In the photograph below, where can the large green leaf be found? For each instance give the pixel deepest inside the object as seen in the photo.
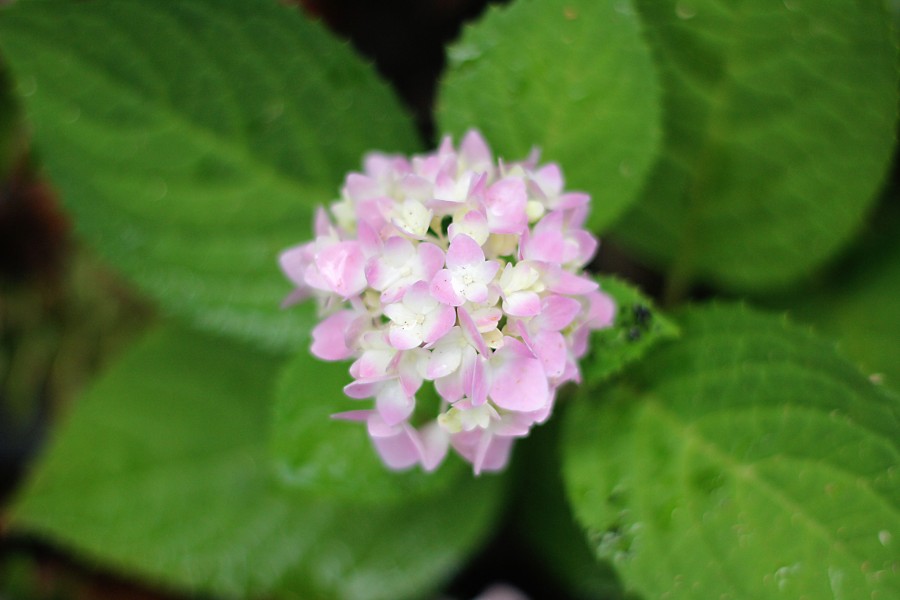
(858, 304)
(335, 459)
(638, 327)
(192, 140)
(162, 472)
(546, 523)
(749, 460)
(779, 125)
(573, 77)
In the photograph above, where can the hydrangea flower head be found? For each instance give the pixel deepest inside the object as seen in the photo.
(458, 272)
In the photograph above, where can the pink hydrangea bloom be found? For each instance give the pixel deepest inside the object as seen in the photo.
(455, 271)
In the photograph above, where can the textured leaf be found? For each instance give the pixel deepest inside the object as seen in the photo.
(749, 460)
(638, 327)
(858, 304)
(192, 141)
(335, 459)
(779, 126)
(547, 524)
(573, 77)
(162, 472)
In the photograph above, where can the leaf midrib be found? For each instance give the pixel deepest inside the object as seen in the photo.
(655, 406)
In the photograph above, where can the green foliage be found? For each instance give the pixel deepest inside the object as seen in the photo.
(779, 126)
(638, 327)
(192, 141)
(162, 472)
(748, 460)
(857, 305)
(727, 454)
(335, 459)
(572, 77)
(547, 523)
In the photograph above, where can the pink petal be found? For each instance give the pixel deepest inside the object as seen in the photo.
(477, 188)
(314, 279)
(470, 330)
(474, 224)
(369, 240)
(294, 262)
(518, 380)
(435, 442)
(602, 312)
(550, 179)
(398, 250)
(405, 339)
(360, 187)
(476, 379)
(379, 165)
(444, 359)
(392, 403)
(373, 363)
(323, 225)
(486, 452)
(377, 273)
(418, 298)
(522, 304)
(563, 282)
(298, 295)
(486, 270)
(464, 251)
(572, 200)
(439, 322)
(476, 292)
(353, 415)
(410, 380)
(515, 424)
(443, 291)
(474, 151)
(505, 202)
(587, 246)
(373, 211)
(432, 259)
(364, 388)
(428, 166)
(413, 186)
(450, 387)
(495, 456)
(547, 246)
(487, 319)
(342, 266)
(550, 347)
(395, 446)
(557, 312)
(579, 340)
(521, 327)
(329, 339)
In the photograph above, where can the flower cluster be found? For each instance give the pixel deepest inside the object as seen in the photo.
(453, 271)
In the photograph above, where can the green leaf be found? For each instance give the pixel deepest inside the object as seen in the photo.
(192, 141)
(162, 472)
(573, 77)
(779, 128)
(857, 305)
(335, 459)
(638, 327)
(546, 523)
(749, 460)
